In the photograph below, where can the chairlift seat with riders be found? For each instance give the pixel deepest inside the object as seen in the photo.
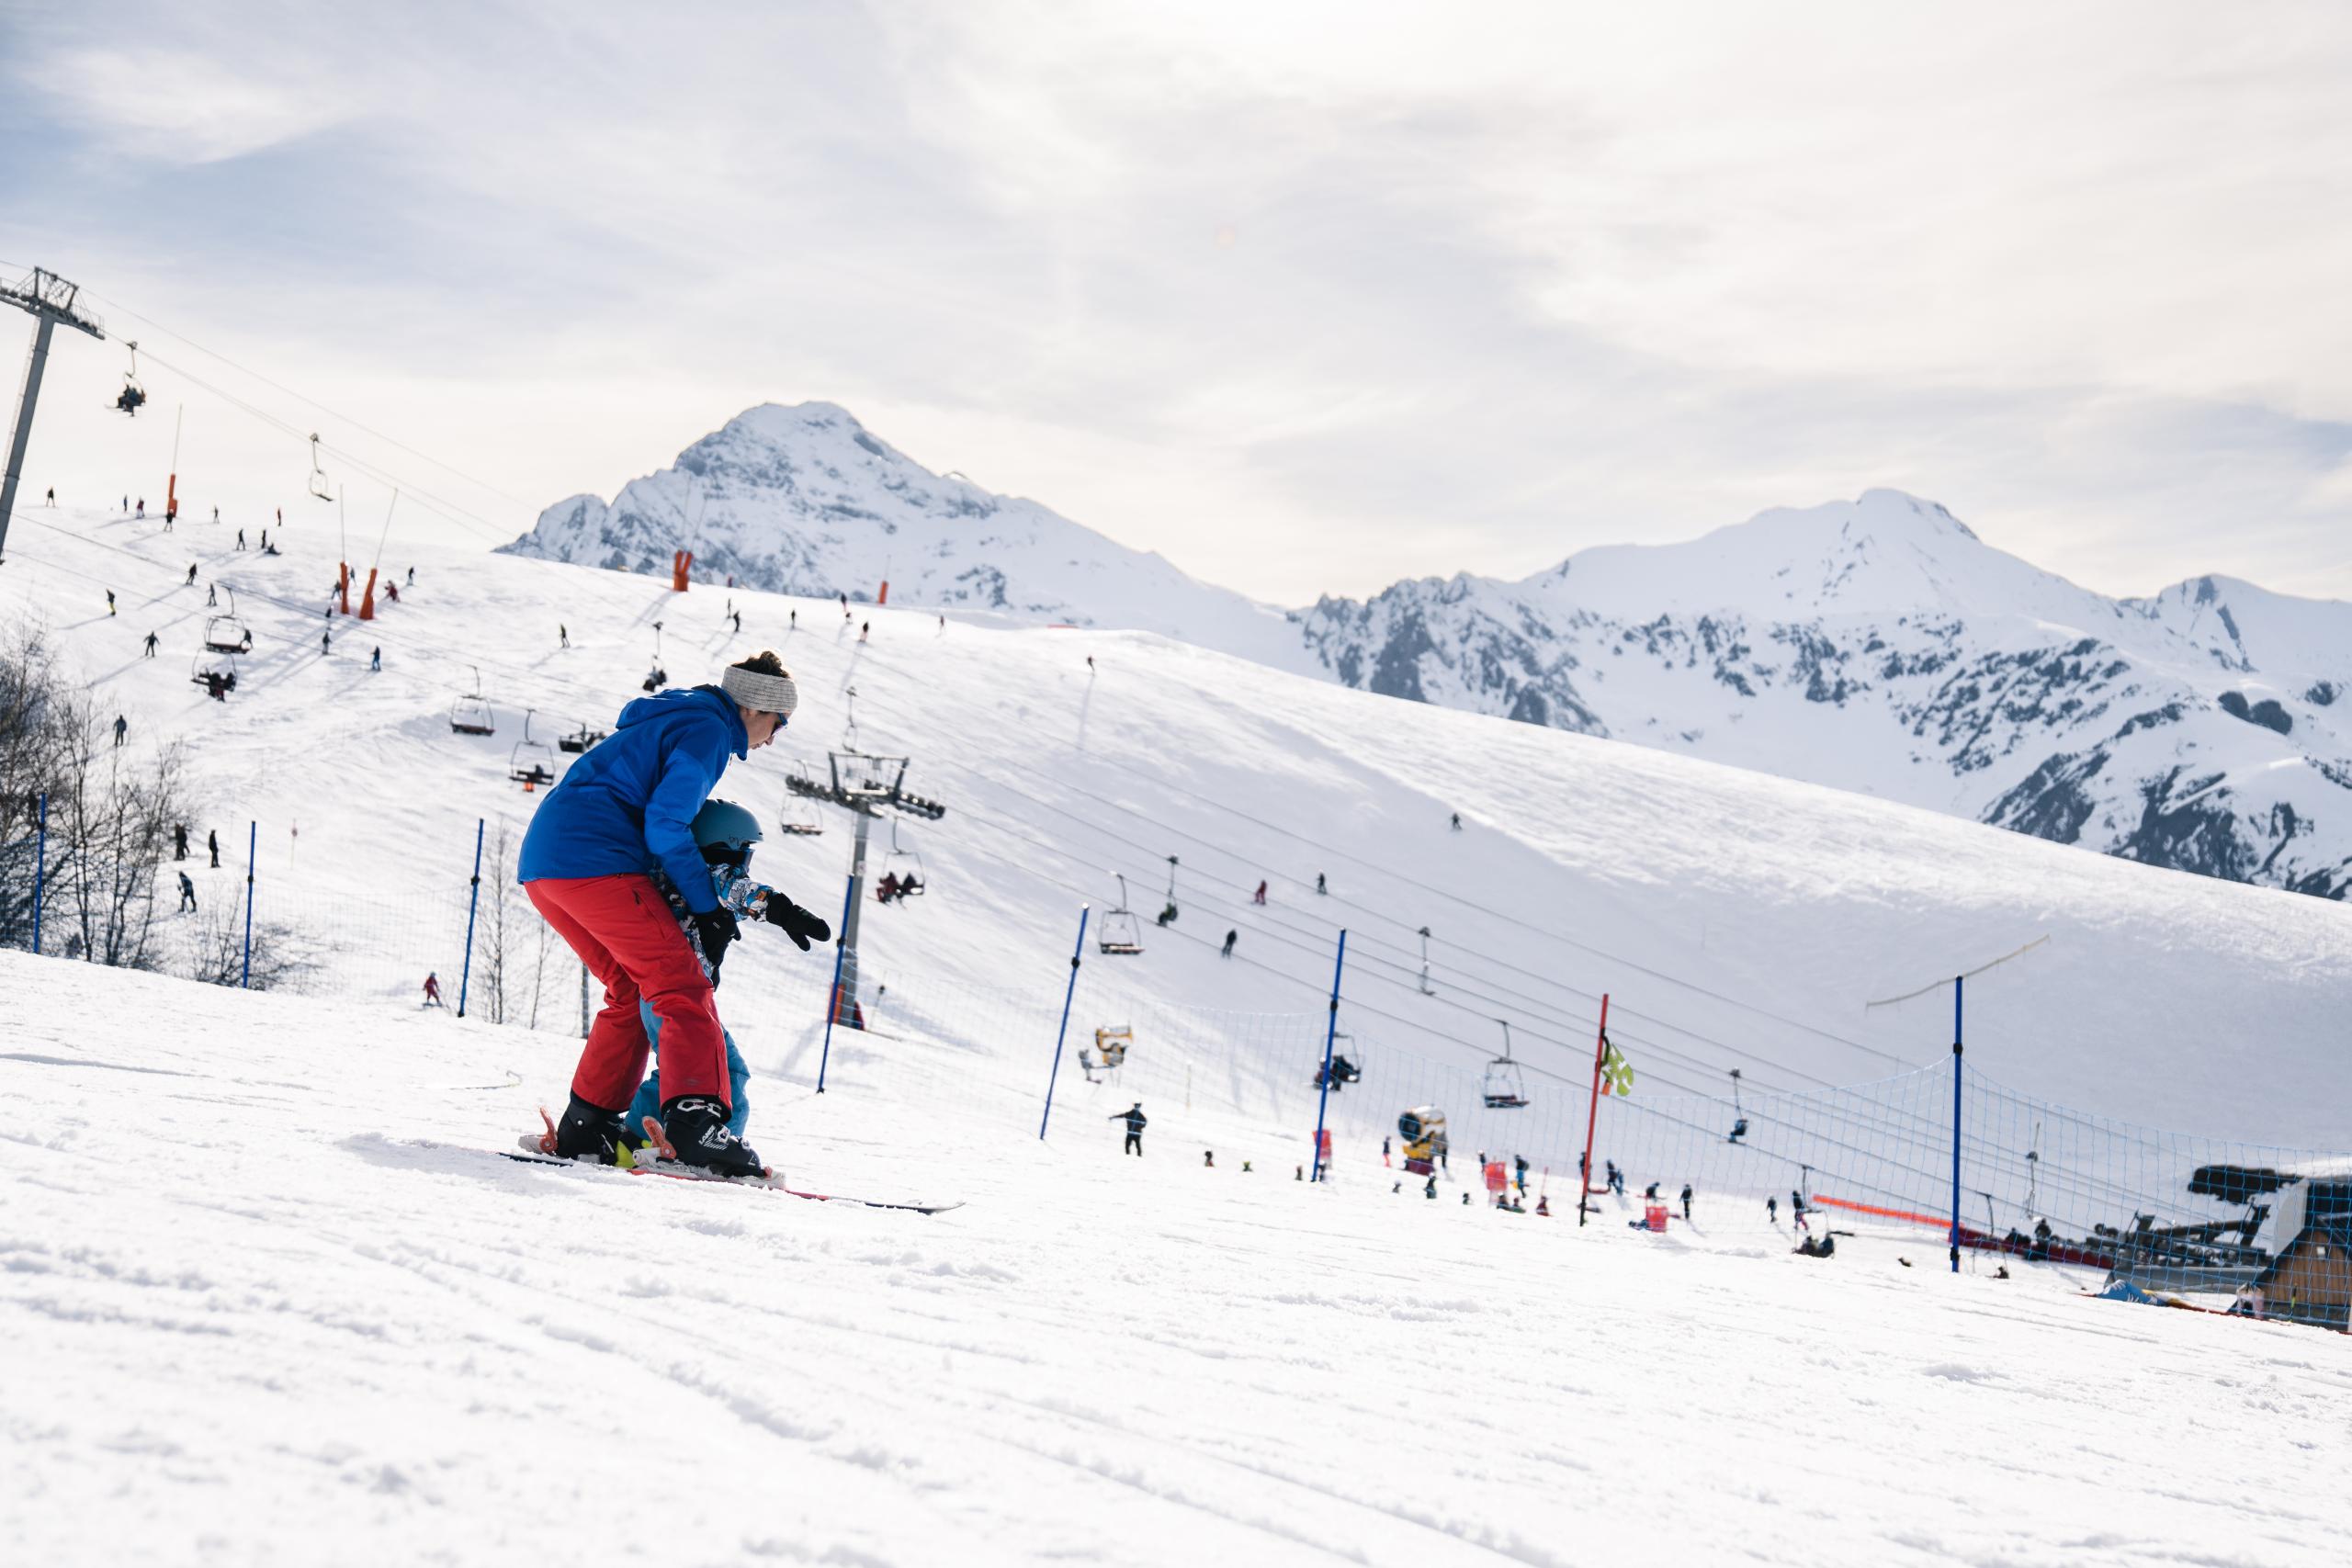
(133, 396)
(1121, 934)
(532, 763)
(1504, 1088)
(902, 872)
(1423, 1130)
(579, 740)
(1112, 1043)
(470, 712)
(220, 666)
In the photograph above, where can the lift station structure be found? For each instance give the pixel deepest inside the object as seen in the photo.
(865, 785)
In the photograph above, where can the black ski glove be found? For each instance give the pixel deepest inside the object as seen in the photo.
(717, 929)
(796, 922)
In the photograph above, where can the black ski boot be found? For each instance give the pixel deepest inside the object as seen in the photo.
(589, 1131)
(695, 1125)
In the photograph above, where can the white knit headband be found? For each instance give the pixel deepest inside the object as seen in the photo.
(761, 694)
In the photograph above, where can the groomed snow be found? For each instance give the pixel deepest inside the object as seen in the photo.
(270, 1296)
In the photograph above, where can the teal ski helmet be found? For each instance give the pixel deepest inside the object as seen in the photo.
(722, 824)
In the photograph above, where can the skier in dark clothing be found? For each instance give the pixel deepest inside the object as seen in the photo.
(1616, 1177)
(179, 842)
(109, 601)
(1686, 1201)
(121, 728)
(213, 842)
(188, 893)
(1518, 1170)
(151, 645)
(1230, 938)
(1772, 1210)
(1796, 1213)
(376, 660)
(1135, 1119)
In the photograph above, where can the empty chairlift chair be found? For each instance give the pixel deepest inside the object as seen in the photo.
(470, 712)
(1122, 934)
(1505, 1089)
(796, 818)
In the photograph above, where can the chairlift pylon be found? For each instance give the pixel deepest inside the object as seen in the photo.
(532, 763)
(319, 485)
(1505, 1089)
(471, 714)
(1120, 933)
(224, 633)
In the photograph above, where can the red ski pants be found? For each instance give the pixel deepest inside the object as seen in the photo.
(621, 928)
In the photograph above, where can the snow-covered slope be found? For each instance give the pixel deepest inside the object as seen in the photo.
(804, 500)
(270, 1295)
(1879, 646)
(1744, 919)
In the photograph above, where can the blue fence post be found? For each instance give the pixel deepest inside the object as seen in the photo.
(833, 997)
(41, 867)
(1958, 982)
(253, 843)
(473, 898)
(1063, 1034)
(1330, 1034)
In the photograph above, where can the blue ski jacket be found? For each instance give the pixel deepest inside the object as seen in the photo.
(628, 803)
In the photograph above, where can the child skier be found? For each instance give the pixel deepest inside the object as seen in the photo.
(726, 833)
(621, 811)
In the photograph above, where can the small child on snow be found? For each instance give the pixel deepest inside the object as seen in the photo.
(725, 833)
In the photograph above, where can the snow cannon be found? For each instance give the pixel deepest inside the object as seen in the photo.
(1423, 1130)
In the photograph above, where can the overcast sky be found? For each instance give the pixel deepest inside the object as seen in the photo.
(1306, 297)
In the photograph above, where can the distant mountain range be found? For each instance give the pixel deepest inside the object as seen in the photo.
(1874, 644)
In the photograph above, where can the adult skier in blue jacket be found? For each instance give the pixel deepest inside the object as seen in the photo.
(624, 809)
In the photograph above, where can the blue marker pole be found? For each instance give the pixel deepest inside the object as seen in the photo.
(1958, 982)
(41, 867)
(1330, 1034)
(253, 843)
(1068, 997)
(833, 997)
(465, 976)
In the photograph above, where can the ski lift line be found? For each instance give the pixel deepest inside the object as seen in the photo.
(1469, 904)
(118, 307)
(1968, 975)
(1527, 1004)
(1419, 1028)
(448, 510)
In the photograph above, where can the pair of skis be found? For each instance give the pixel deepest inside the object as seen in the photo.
(661, 1158)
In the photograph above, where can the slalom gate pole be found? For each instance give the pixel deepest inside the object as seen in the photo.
(1957, 983)
(253, 843)
(1330, 1035)
(41, 868)
(1063, 1032)
(473, 898)
(833, 997)
(1592, 1115)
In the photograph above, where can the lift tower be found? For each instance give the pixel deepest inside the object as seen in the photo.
(865, 785)
(48, 299)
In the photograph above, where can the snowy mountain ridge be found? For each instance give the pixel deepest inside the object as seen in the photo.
(804, 500)
(1878, 645)
(1875, 645)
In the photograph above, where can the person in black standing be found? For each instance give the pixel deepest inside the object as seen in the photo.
(188, 893)
(1134, 1121)
(1230, 938)
(213, 842)
(1686, 1202)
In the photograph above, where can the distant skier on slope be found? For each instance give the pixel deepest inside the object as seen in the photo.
(725, 832)
(1230, 938)
(1135, 1119)
(433, 991)
(623, 810)
(213, 842)
(188, 893)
